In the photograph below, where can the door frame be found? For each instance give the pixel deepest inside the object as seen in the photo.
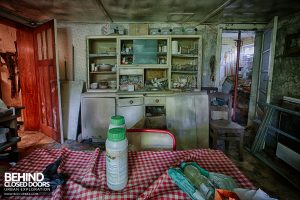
(256, 66)
(58, 83)
(273, 25)
(230, 27)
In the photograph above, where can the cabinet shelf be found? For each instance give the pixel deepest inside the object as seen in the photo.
(185, 55)
(144, 53)
(101, 50)
(103, 72)
(149, 66)
(185, 72)
(102, 55)
(103, 90)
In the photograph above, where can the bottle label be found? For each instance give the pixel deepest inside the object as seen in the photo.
(116, 166)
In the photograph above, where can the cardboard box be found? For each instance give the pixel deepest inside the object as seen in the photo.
(138, 29)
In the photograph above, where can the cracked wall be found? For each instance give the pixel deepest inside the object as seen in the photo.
(286, 71)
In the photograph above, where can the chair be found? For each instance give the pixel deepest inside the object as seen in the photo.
(150, 139)
(210, 89)
(220, 124)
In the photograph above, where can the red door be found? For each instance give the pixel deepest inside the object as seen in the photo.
(45, 59)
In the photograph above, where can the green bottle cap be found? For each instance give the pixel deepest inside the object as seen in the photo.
(116, 134)
(117, 120)
(183, 165)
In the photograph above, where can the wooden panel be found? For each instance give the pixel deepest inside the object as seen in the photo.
(71, 92)
(28, 79)
(95, 116)
(181, 120)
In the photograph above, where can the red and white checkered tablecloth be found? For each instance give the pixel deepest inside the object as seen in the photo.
(147, 173)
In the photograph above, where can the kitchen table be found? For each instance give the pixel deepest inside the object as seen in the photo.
(147, 173)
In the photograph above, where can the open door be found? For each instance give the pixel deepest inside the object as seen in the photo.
(267, 62)
(47, 79)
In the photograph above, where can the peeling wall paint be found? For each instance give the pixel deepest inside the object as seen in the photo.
(286, 71)
(7, 39)
(209, 34)
(78, 33)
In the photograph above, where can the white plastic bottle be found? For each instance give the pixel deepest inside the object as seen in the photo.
(116, 159)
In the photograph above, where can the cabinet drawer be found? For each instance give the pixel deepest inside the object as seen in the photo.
(130, 102)
(155, 100)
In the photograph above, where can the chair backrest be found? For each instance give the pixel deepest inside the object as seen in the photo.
(220, 106)
(210, 89)
(150, 139)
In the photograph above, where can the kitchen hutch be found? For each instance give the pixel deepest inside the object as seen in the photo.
(146, 77)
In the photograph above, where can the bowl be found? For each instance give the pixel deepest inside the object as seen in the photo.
(112, 82)
(103, 84)
(105, 67)
(113, 86)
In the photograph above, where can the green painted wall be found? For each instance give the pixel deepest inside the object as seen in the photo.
(286, 71)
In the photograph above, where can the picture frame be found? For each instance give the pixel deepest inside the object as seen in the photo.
(292, 45)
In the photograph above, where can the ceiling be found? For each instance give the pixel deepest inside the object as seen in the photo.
(32, 12)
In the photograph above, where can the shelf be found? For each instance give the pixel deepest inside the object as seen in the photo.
(12, 141)
(103, 72)
(185, 55)
(143, 53)
(126, 54)
(185, 72)
(102, 90)
(140, 66)
(102, 55)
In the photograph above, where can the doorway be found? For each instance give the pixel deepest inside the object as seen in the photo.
(28, 75)
(228, 64)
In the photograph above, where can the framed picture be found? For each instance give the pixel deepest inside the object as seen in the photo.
(292, 45)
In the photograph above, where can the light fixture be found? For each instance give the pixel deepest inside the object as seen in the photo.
(179, 17)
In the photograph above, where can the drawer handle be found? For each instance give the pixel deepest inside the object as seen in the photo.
(156, 100)
(131, 102)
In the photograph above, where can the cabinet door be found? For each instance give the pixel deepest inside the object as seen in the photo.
(202, 120)
(95, 115)
(181, 121)
(132, 109)
(146, 51)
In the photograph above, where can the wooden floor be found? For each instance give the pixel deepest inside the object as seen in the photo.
(260, 174)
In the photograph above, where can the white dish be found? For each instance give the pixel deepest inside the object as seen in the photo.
(94, 85)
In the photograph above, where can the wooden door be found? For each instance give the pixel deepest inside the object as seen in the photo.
(267, 62)
(46, 70)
